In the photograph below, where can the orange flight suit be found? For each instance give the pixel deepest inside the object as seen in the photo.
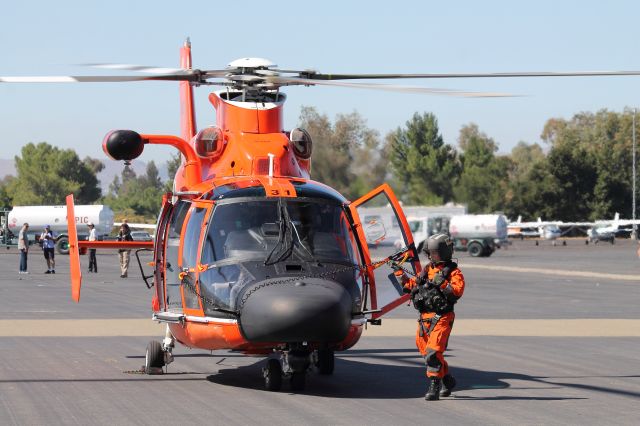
(432, 345)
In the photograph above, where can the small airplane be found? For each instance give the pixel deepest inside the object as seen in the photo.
(544, 230)
(250, 254)
(601, 230)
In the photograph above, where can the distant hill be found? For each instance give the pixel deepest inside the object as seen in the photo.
(111, 169)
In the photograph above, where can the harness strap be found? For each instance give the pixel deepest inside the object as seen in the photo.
(432, 324)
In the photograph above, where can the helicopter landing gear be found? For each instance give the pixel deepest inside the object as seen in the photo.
(292, 364)
(159, 354)
(324, 360)
(154, 358)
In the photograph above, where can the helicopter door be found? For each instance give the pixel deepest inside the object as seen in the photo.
(159, 253)
(189, 258)
(384, 235)
(173, 296)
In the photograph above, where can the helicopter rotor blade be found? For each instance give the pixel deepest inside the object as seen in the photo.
(194, 76)
(312, 75)
(388, 87)
(161, 70)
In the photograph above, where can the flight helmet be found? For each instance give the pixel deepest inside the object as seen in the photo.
(439, 248)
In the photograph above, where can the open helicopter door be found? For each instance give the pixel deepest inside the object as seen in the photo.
(384, 235)
(159, 299)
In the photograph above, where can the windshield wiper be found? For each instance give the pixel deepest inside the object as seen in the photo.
(285, 237)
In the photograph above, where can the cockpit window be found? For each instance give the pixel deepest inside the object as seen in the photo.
(276, 230)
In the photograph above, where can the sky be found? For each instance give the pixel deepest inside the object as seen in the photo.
(52, 38)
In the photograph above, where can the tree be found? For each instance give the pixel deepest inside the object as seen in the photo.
(603, 140)
(483, 181)
(136, 197)
(426, 168)
(347, 155)
(523, 182)
(46, 175)
(6, 200)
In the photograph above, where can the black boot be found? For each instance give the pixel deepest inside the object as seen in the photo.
(448, 383)
(433, 394)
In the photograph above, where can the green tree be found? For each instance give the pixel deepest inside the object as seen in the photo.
(347, 155)
(46, 175)
(523, 182)
(136, 197)
(484, 178)
(6, 201)
(423, 164)
(603, 140)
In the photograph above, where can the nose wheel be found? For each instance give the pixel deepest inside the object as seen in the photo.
(159, 354)
(154, 358)
(292, 364)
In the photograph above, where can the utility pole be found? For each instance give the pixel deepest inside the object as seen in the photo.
(634, 234)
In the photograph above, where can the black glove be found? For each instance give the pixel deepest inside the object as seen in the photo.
(406, 290)
(438, 279)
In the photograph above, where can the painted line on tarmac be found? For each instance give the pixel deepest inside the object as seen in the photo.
(518, 327)
(81, 328)
(390, 327)
(554, 272)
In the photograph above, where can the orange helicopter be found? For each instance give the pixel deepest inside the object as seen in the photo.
(250, 254)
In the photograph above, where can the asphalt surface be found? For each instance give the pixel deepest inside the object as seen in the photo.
(543, 335)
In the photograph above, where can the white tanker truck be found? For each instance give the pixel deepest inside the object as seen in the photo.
(56, 217)
(480, 235)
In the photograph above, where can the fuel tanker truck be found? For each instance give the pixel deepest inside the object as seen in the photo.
(56, 217)
(480, 235)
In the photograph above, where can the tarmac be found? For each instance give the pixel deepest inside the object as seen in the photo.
(544, 335)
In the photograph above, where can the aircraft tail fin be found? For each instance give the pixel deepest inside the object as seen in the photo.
(187, 110)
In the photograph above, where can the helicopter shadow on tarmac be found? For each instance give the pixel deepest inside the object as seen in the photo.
(357, 378)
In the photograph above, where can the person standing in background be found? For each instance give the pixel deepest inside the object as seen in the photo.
(48, 247)
(124, 254)
(23, 246)
(93, 265)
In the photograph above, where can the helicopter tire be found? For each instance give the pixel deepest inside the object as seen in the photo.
(154, 357)
(298, 380)
(326, 361)
(273, 375)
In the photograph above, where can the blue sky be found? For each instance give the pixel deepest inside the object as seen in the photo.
(48, 38)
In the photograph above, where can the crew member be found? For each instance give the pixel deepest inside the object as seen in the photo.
(434, 293)
(93, 265)
(48, 248)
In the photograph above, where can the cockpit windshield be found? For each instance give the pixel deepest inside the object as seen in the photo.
(248, 240)
(277, 230)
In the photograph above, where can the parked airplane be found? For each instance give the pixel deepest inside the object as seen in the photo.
(545, 230)
(600, 230)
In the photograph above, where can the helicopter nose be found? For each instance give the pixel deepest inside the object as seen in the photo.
(307, 310)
